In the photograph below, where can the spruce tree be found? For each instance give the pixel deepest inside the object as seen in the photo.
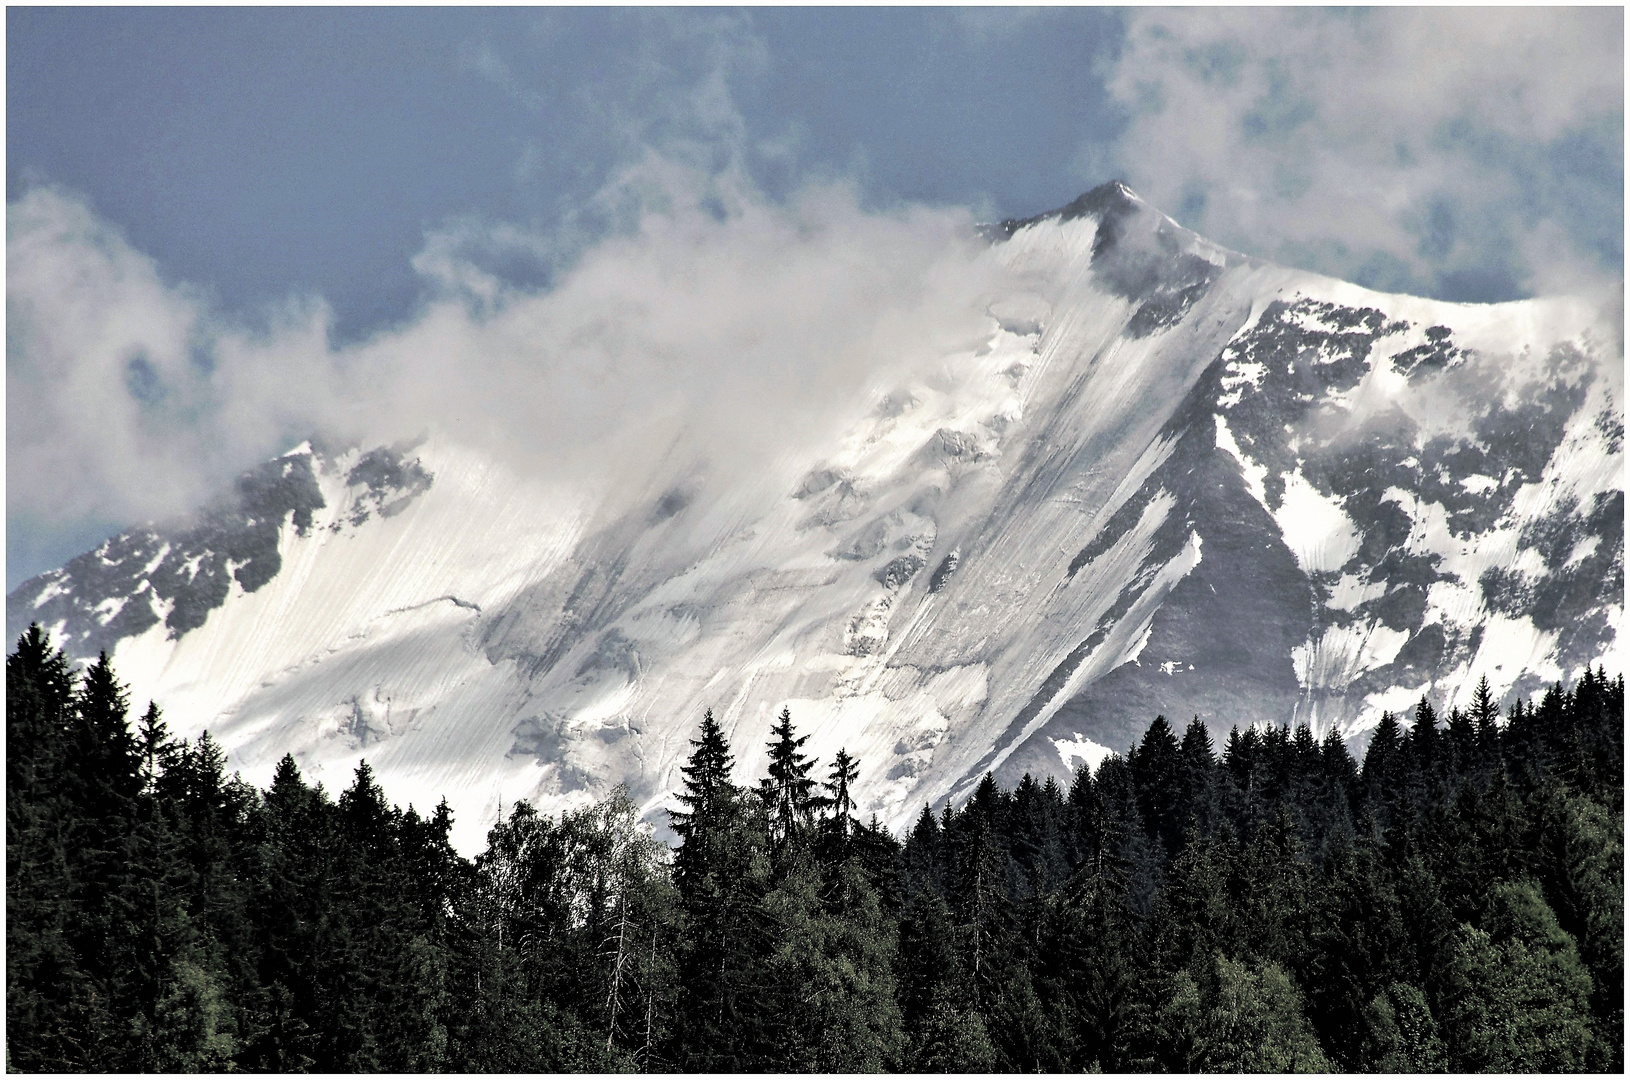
(724, 1021)
(101, 778)
(1381, 768)
(925, 857)
(1081, 830)
(845, 770)
(104, 768)
(707, 792)
(1198, 803)
(154, 746)
(1485, 717)
(978, 882)
(48, 996)
(1424, 753)
(1157, 775)
(789, 791)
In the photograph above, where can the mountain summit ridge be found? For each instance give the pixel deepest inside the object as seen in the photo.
(1171, 479)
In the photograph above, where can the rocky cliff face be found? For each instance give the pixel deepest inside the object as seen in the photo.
(1170, 480)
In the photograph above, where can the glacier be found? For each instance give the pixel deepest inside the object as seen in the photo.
(1170, 479)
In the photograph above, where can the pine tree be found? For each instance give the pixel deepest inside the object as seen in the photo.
(103, 774)
(1196, 916)
(1081, 829)
(187, 1016)
(1273, 891)
(293, 910)
(48, 996)
(1198, 802)
(1357, 945)
(1424, 753)
(724, 1019)
(154, 746)
(1305, 774)
(1381, 764)
(924, 857)
(162, 916)
(1245, 774)
(1036, 841)
(978, 881)
(1485, 717)
(1097, 963)
(1157, 776)
(944, 1031)
(1127, 857)
(707, 795)
(845, 770)
(101, 778)
(789, 791)
(1338, 790)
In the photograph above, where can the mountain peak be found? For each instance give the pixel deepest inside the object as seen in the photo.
(1111, 202)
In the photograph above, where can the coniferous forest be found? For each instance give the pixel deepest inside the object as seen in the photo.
(1454, 901)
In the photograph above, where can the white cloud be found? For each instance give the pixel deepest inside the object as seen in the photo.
(684, 319)
(118, 387)
(719, 327)
(1401, 145)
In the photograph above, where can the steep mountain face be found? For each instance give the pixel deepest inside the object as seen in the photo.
(1171, 480)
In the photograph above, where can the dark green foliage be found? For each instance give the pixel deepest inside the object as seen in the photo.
(1517, 999)
(789, 791)
(1224, 1016)
(1400, 1034)
(841, 822)
(1454, 904)
(1158, 781)
(1281, 908)
(48, 995)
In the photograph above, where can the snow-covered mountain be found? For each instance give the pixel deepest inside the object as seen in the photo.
(1171, 479)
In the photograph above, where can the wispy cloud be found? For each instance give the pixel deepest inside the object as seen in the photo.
(718, 328)
(1472, 153)
(679, 316)
(121, 391)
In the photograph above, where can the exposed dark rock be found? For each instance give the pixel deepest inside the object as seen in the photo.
(942, 573)
(188, 566)
(389, 480)
(899, 571)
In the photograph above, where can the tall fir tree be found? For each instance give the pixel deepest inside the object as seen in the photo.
(840, 798)
(48, 996)
(707, 796)
(789, 791)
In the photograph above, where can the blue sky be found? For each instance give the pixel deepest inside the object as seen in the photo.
(251, 201)
(263, 151)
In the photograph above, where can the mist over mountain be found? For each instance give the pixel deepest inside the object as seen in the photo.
(1135, 474)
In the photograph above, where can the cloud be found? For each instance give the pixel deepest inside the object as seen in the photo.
(1459, 152)
(722, 319)
(118, 385)
(718, 328)
(679, 319)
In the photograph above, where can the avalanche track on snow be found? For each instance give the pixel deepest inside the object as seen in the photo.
(1172, 479)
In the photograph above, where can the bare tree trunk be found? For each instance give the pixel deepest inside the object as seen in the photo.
(613, 998)
(650, 999)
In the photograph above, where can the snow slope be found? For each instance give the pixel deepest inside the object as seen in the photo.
(1171, 479)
